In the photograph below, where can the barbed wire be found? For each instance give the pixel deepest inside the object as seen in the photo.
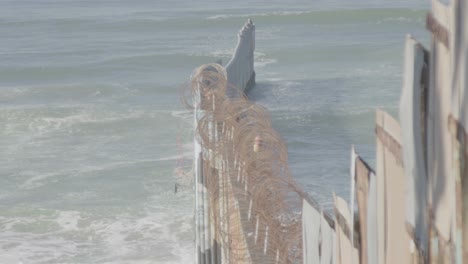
(255, 203)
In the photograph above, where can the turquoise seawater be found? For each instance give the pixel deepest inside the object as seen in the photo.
(92, 130)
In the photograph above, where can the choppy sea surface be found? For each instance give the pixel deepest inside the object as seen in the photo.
(92, 132)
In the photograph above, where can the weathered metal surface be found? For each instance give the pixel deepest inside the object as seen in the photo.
(412, 120)
(251, 212)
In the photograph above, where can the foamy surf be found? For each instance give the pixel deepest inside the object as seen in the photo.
(49, 235)
(93, 133)
(253, 15)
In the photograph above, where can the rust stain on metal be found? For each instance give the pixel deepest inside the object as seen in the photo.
(390, 143)
(439, 31)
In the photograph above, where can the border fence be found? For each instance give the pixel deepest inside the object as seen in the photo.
(413, 208)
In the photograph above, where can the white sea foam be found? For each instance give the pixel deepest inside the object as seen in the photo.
(91, 147)
(222, 16)
(43, 121)
(261, 14)
(223, 53)
(32, 239)
(68, 220)
(175, 157)
(123, 238)
(34, 249)
(261, 59)
(400, 19)
(37, 179)
(260, 63)
(182, 114)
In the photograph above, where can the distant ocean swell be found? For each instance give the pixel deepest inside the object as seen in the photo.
(114, 25)
(331, 16)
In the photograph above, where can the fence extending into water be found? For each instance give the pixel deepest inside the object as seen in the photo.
(413, 208)
(248, 205)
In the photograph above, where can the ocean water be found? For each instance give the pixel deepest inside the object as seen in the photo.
(92, 133)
